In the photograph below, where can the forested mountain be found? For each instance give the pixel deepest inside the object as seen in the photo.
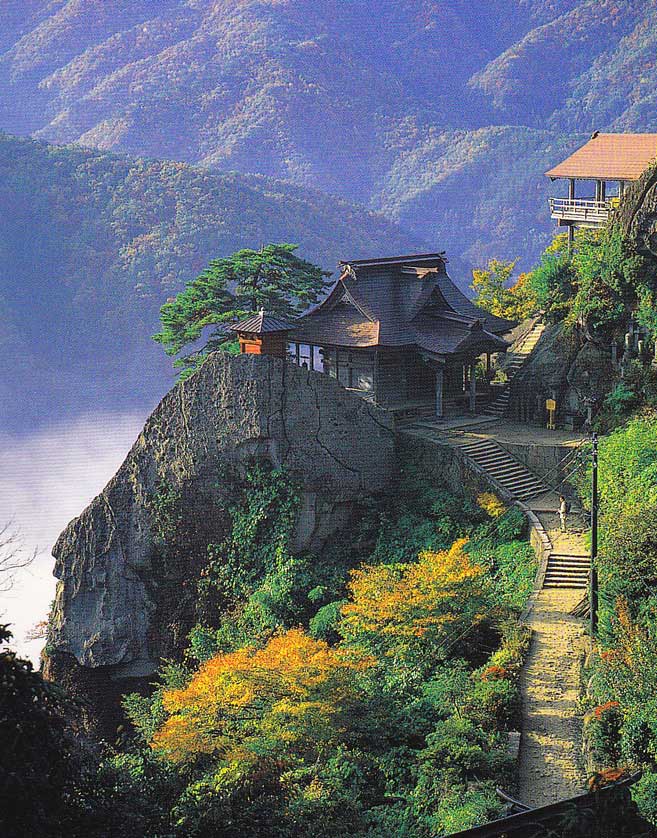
(91, 244)
(442, 114)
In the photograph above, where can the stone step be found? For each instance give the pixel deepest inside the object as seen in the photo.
(508, 472)
(490, 463)
(565, 571)
(555, 584)
(576, 566)
(579, 565)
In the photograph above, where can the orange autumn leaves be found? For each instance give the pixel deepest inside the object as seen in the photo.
(391, 605)
(296, 693)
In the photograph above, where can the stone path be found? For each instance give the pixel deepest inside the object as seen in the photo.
(550, 750)
(550, 765)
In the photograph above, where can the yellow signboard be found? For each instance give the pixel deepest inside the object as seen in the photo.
(550, 404)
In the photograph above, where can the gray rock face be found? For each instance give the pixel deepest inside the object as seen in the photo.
(118, 609)
(566, 367)
(637, 216)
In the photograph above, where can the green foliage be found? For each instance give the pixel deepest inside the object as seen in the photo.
(127, 795)
(324, 625)
(621, 399)
(596, 286)
(422, 743)
(41, 761)
(272, 278)
(423, 517)
(621, 728)
(553, 283)
(603, 734)
(494, 291)
(262, 519)
(644, 794)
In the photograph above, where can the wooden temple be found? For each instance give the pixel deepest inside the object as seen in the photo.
(603, 167)
(263, 334)
(399, 332)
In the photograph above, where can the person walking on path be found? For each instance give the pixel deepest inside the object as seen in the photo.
(564, 509)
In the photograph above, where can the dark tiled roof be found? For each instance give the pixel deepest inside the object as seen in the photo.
(430, 260)
(457, 301)
(344, 325)
(261, 323)
(610, 157)
(393, 303)
(442, 335)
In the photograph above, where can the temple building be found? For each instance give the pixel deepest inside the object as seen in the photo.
(262, 334)
(399, 332)
(603, 166)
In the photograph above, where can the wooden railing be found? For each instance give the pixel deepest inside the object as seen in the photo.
(583, 210)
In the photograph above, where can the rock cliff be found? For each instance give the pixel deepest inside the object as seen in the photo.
(637, 215)
(564, 366)
(120, 607)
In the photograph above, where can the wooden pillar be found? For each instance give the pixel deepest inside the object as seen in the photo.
(440, 383)
(473, 389)
(488, 363)
(571, 238)
(571, 189)
(599, 189)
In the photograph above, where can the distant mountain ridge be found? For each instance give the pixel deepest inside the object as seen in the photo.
(442, 115)
(91, 244)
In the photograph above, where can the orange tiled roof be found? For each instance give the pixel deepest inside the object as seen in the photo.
(610, 157)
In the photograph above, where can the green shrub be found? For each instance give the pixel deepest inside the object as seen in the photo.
(621, 399)
(644, 794)
(603, 733)
(324, 625)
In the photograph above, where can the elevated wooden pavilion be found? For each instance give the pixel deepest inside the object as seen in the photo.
(606, 159)
(398, 331)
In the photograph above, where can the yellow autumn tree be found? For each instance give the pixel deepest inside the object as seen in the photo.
(294, 694)
(395, 608)
(491, 504)
(494, 291)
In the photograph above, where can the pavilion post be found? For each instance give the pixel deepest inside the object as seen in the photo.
(440, 383)
(473, 388)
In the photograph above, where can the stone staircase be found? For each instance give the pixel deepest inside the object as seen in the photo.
(504, 469)
(567, 571)
(514, 360)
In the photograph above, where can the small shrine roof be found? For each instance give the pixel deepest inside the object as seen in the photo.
(261, 324)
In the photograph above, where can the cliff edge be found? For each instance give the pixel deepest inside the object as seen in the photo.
(120, 606)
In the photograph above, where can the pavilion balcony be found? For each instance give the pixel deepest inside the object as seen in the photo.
(582, 212)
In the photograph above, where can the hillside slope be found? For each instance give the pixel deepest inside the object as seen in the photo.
(374, 100)
(91, 244)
